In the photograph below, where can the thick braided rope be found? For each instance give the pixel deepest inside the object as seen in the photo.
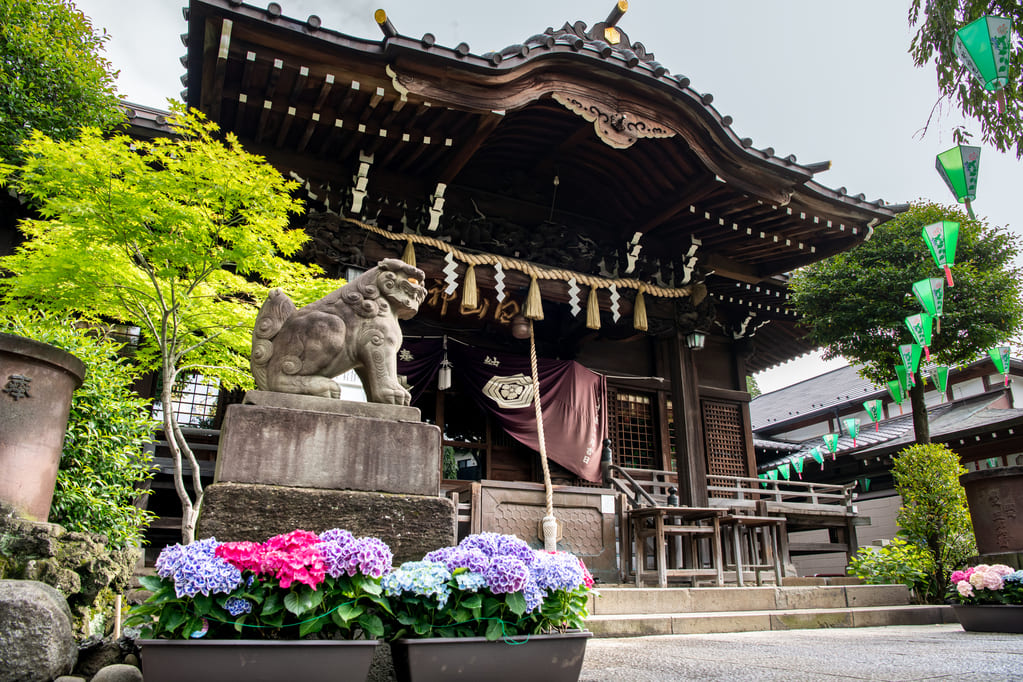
(550, 544)
(527, 267)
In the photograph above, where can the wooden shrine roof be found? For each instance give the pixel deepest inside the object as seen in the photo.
(574, 131)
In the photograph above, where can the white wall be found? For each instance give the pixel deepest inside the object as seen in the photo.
(880, 510)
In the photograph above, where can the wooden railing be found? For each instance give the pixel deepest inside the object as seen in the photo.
(790, 496)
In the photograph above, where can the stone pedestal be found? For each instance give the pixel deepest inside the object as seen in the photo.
(289, 461)
(995, 497)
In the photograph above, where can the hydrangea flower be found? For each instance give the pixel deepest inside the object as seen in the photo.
(369, 556)
(195, 568)
(557, 571)
(461, 557)
(506, 574)
(296, 539)
(246, 556)
(470, 581)
(236, 606)
(423, 578)
(300, 564)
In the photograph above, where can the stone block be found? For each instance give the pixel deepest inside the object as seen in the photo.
(640, 600)
(36, 640)
(635, 626)
(821, 597)
(811, 618)
(315, 449)
(706, 599)
(883, 616)
(351, 408)
(725, 622)
(876, 595)
(411, 525)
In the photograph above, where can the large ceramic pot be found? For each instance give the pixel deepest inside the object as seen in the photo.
(36, 383)
(551, 658)
(990, 617)
(995, 496)
(254, 660)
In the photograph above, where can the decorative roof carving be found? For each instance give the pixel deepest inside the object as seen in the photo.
(615, 128)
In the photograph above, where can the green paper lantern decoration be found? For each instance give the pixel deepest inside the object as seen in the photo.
(931, 295)
(992, 462)
(959, 167)
(818, 456)
(797, 464)
(852, 427)
(874, 410)
(763, 480)
(896, 392)
(865, 483)
(785, 470)
(984, 47)
(910, 353)
(920, 327)
(773, 474)
(942, 239)
(906, 380)
(939, 375)
(831, 441)
(1000, 356)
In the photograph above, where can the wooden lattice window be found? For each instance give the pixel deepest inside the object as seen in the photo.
(632, 429)
(724, 439)
(672, 449)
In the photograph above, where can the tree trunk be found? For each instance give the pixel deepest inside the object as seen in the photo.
(921, 424)
(177, 446)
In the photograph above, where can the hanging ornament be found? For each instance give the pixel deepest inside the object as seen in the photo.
(573, 297)
(639, 320)
(896, 392)
(499, 282)
(920, 327)
(939, 375)
(785, 471)
(444, 373)
(906, 380)
(450, 273)
(773, 474)
(910, 354)
(410, 253)
(831, 441)
(931, 295)
(874, 410)
(797, 464)
(592, 310)
(941, 239)
(852, 427)
(959, 167)
(615, 298)
(992, 462)
(533, 309)
(984, 47)
(763, 480)
(818, 456)
(470, 294)
(865, 484)
(1000, 356)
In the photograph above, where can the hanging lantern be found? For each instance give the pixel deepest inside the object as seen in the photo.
(1000, 356)
(852, 427)
(785, 471)
(931, 295)
(906, 380)
(444, 373)
(910, 354)
(920, 327)
(831, 441)
(763, 480)
(942, 239)
(865, 482)
(873, 408)
(797, 464)
(896, 392)
(818, 456)
(959, 167)
(773, 474)
(939, 375)
(984, 47)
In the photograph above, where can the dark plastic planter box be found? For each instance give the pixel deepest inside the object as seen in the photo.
(990, 617)
(253, 660)
(550, 658)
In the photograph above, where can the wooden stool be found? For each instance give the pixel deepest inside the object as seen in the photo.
(761, 535)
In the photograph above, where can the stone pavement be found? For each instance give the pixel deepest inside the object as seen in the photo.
(915, 652)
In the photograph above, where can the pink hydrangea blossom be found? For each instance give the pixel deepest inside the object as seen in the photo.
(294, 540)
(965, 588)
(957, 577)
(245, 556)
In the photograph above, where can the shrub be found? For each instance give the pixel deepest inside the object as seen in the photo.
(934, 514)
(104, 458)
(894, 563)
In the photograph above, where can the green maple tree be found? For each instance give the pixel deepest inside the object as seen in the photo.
(182, 236)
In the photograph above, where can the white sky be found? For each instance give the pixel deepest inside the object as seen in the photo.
(823, 80)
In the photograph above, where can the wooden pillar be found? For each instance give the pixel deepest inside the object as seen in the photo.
(691, 459)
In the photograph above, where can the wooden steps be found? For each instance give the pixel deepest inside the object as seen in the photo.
(630, 611)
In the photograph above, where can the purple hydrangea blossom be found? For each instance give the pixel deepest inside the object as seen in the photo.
(368, 556)
(470, 581)
(195, 568)
(341, 537)
(506, 574)
(423, 578)
(236, 606)
(459, 557)
(557, 571)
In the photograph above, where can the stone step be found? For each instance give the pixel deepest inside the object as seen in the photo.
(637, 625)
(637, 601)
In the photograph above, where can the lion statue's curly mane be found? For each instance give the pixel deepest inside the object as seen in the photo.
(355, 327)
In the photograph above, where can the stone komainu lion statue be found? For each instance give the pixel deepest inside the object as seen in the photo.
(354, 327)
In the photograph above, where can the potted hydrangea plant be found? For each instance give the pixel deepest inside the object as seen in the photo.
(988, 598)
(294, 607)
(455, 613)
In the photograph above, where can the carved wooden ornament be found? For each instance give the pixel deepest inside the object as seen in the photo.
(615, 128)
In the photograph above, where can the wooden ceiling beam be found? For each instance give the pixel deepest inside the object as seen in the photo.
(467, 149)
(670, 206)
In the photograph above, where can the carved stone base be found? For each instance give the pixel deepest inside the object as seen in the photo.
(309, 442)
(411, 525)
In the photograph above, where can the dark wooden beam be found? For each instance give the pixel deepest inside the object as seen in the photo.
(466, 150)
